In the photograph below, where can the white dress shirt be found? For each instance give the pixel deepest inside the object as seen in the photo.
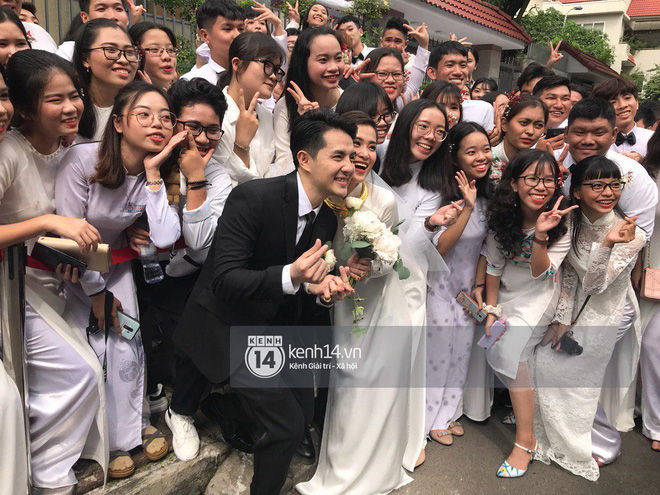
(362, 56)
(417, 74)
(210, 71)
(480, 112)
(304, 207)
(639, 196)
(66, 49)
(642, 137)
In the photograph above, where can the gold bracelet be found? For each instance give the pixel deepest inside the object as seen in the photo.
(242, 147)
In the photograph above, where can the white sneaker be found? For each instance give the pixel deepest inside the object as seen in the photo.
(158, 401)
(185, 439)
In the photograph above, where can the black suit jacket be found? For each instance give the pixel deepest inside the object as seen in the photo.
(241, 281)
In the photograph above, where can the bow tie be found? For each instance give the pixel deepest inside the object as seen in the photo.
(359, 57)
(623, 138)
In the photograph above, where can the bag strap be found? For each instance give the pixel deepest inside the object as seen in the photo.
(93, 323)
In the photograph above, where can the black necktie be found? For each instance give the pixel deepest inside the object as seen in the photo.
(306, 237)
(621, 138)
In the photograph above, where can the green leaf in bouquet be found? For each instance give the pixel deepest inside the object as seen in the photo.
(329, 244)
(395, 227)
(402, 271)
(346, 250)
(360, 244)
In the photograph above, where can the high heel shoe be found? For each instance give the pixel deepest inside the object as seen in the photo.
(506, 470)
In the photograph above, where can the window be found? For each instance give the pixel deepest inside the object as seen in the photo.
(596, 26)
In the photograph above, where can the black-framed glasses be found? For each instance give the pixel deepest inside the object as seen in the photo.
(146, 117)
(270, 68)
(112, 53)
(387, 117)
(533, 181)
(213, 132)
(598, 186)
(424, 130)
(158, 51)
(382, 75)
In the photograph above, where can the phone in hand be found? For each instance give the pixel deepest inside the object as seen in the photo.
(554, 132)
(471, 306)
(129, 325)
(496, 330)
(53, 257)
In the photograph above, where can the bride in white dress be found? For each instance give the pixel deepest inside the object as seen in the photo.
(374, 425)
(594, 288)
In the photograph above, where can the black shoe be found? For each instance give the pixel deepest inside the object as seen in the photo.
(305, 450)
(221, 408)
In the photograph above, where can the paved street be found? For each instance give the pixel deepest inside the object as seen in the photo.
(469, 466)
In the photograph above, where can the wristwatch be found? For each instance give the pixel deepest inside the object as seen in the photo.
(429, 227)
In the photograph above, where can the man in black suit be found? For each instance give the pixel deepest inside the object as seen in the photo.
(266, 268)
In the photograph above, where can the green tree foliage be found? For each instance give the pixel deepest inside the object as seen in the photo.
(370, 11)
(638, 78)
(652, 86)
(185, 8)
(545, 26)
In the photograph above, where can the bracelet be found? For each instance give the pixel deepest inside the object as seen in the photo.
(155, 182)
(479, 285)
(540, 241)
(195, 188)
(242, 147)
(197, 182)
(429, 227)
(492, 310)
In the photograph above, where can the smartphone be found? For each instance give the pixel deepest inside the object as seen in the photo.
(53, 257)
(496, 330)
(129, 325)
(554, 132)
(471, 306)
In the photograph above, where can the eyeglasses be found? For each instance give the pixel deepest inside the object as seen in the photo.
(425, 129)
(157, 52)
(146, 117)
(533, 181)
(213, 132)
(388, 117)
(382, 75)
(270, 68)
(615, 185)
(112, 53)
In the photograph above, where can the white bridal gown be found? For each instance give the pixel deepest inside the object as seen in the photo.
(374, 426)
(569, 387)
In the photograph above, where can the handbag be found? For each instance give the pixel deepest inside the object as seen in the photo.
(99, 260)
(650, 279)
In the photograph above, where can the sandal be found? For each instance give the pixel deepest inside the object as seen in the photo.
(421, 459)
(655, 445)
(456, 429)
(121, 465)
(509, 419)
(443, 437)
(149, 436)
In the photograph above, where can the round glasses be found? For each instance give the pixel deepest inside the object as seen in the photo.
(382, 75)
(387, 117)
(146, 117)
(424, 130)
(270, 68)
(112, 53)
(213, 132)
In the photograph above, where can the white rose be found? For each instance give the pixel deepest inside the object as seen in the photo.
(386, 246)
(330, 259)
(354, 203)
(367, 222)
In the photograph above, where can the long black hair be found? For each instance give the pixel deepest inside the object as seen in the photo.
(85, 38)
(298, 69)
(137, 31)
(396, 165)
(364, 96)
(591, 168)
(247, 47)
(652, 159)
(442, 92)
(505, 217)
(28, 73)
(304, 23)
(8, 15)
(449, 190)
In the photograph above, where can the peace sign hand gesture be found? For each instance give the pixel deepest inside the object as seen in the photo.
(304, 105)
(421, 35)
(468, 189)
(135, 12)
(462, 41)
(191, 162)
(622, 233)
(548, 220)
(294, 13)
(247, 123)
(555, 55)
(358, 75)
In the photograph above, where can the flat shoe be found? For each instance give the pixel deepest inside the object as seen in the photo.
(456, 429)
(421, 459)
(655, 445)
(443, 437)
(121, 465)
(149, 434)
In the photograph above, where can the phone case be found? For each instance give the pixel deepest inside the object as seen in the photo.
(129, 325)
(471, 305)
(53, 257)
(496, 330)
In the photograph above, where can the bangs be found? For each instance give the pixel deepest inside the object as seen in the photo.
(541, 164)
(448, 97)
(602, 170)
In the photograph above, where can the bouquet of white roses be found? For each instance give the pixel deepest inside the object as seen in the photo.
(371, 239)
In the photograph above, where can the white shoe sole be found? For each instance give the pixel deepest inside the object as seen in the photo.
(158, 405)
(175, 446)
